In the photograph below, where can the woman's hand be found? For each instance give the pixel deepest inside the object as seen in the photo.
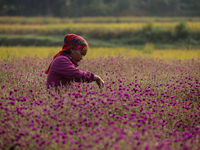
(99, 81)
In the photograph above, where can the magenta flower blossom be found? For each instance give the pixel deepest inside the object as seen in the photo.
(156, 105)
(71, 132)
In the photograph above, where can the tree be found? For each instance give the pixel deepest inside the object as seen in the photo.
(79, 8)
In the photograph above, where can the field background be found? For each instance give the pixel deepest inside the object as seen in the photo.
(146, 51)
(158, 37)
(94, 52)
(150, 66)
(135, 32)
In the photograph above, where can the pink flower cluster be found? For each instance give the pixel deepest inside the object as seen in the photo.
(146, 104)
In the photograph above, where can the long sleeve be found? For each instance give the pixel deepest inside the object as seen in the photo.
(65, 68)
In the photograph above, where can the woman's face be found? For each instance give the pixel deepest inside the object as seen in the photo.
(77, 55)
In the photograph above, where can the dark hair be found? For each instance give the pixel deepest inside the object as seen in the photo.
(67, 52)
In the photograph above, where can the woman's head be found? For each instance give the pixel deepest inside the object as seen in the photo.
(75, 46)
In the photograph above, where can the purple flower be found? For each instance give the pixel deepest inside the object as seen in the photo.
(11, 92)
(71, 131)
(16, 90)
(96, 122)
(53, 136)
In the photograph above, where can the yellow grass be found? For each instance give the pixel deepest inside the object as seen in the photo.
(167, 54)
(83, 27)
(55, 20)
(89, 25)
(87, 29)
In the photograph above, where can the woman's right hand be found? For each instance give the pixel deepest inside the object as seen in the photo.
(99, 81)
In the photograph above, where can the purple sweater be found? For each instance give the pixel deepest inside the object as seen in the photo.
(63, 71)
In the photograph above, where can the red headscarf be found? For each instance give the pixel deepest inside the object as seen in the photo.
(71, 41)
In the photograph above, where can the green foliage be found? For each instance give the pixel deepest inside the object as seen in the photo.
(27, 40)
(148, 28)
(135, 39)
(159, 40)
(148, 48)
(182, 30)
(19, 31)
(79, 8)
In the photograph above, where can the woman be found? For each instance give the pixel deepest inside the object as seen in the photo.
(63, 69)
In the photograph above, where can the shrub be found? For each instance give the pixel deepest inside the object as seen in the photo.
(148, 28)
(182, 30)
(148, 48)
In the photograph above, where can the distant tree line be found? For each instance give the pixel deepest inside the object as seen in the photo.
(79, 8)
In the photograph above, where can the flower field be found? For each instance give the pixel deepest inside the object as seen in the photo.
(147, 103)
